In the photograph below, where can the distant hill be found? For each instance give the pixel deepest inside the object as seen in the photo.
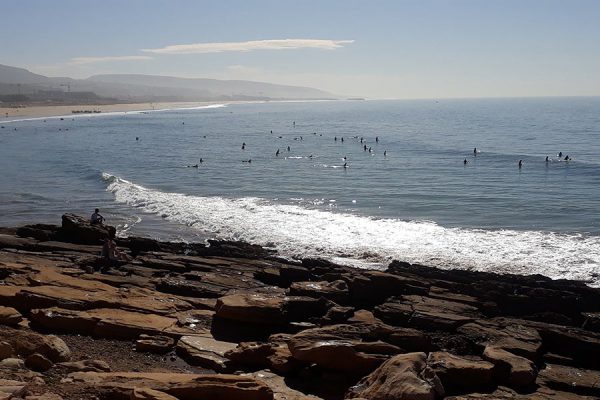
(146, 88)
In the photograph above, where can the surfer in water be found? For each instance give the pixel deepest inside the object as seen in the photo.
(244, 146)
(376, 139)
(277, 153)
(475, 151)
(567, 158)
(288, 149)
(345, 165)
(465, 162)
(560, 154)
(547, 160)
(201, 161)
(520, 163)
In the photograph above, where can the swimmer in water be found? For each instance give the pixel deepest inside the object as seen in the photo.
(547, 160)
(385, 153)
(376, 139)
(342, 139)
(465, 162)
(244, 146)
(365, 147)
(361, 140)
(201, 161)
(335, 139)
(567, 158)
(271, 132)
(288, 149)
(277, 153)
(520, 163)
(560, 154)
(369, 149)
(344, 158)
(137, 138)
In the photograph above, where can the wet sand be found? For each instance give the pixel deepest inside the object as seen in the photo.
(11, 113)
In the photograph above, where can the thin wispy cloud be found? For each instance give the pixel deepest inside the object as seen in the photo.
(94, 60)
(275, 44)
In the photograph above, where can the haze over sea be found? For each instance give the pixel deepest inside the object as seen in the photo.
(419, 203)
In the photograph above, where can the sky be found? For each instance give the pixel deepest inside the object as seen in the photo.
(374, 49)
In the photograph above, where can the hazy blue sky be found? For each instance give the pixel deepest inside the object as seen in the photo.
(382, 49)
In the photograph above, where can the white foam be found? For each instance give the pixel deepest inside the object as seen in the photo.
(361, 241)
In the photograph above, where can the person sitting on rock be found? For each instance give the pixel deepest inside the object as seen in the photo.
(96, 218)
(110, 255)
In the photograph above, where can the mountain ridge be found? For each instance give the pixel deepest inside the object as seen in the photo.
(15, 81)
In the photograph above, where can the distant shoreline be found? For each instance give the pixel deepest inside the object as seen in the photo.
(8, 114)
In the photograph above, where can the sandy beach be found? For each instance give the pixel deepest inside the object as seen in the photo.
(36, 111)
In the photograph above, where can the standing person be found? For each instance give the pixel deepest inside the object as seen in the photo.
(96, 218)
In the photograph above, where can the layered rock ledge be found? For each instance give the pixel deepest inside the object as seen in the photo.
(229, 320)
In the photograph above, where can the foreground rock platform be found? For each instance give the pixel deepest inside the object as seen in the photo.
(229, 320)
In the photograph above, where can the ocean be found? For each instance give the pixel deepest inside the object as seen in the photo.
(408, 196)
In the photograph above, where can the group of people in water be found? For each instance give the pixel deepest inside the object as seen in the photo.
(520, 163)
(278, 152)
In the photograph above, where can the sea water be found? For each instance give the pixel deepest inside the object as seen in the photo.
(408, 196)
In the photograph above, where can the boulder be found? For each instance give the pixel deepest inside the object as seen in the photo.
(402, 377)
(341, 348)
(251, 308)
(459, 374)
(25, 343)
(6, 350)
(37, 362)
(512, 370)
(205, 351)
(9, 316)
(85, 366)
(76, 229)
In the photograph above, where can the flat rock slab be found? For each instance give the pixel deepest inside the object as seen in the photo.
(107, 322)
(205, 351)
(426, 313)
(506, 334)
(252, 308)
(460, 373)
(570, 379)
(181, 386)
(510, 369)
(280, 389)
(336, 291)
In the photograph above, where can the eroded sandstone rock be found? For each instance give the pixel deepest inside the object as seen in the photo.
(402, 377)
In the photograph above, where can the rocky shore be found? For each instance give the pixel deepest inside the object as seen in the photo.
(229, 320)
